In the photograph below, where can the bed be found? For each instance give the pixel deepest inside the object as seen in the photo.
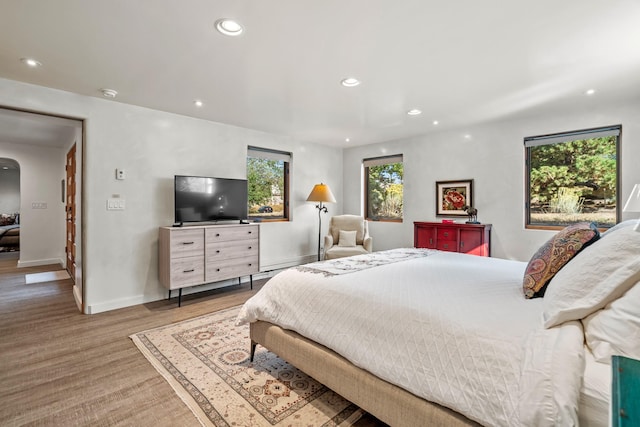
(423, 337)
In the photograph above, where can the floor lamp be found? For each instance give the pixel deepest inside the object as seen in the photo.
(321, 193)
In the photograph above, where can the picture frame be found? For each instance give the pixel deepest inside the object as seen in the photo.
(451, 196)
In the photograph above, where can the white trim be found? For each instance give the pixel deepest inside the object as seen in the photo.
(38, 262)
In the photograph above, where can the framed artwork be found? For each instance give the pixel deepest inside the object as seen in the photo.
(451, 196)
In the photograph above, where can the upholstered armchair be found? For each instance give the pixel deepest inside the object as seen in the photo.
(348, 235)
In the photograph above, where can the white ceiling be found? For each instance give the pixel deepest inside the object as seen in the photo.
(461, 62)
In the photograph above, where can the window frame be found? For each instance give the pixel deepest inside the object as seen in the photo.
(378, 161)
(561, 137)
(287, 158)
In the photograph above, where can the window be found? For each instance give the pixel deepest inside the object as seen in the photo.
(573, 177)
(268, 184)
(383, 188)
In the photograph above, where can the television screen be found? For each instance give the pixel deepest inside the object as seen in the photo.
(201, 199)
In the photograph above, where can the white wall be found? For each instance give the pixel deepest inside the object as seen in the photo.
(41, 230)
(494, 158)
(9, 190)
(120, 251)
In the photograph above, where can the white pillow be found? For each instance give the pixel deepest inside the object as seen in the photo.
(616, 328)
(347, 238)
(599, 274)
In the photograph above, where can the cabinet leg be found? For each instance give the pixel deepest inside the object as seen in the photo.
(179, 297)
(251, 280)
(169, 294)
(239, 281)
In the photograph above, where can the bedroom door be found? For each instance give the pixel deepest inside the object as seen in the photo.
(70, 208)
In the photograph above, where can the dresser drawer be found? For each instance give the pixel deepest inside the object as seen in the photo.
(232, 268)
(447, 245)
(223, 234)
(218, 251)
(447, 234)
(186, 243)
(187, 271)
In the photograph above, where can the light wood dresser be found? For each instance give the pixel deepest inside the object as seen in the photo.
(195, 255)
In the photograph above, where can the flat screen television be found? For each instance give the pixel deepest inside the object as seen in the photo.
(206, 199)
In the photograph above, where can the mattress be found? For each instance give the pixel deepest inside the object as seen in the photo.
(451, 328)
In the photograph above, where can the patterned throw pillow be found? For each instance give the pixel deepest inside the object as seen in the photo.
(554, 254)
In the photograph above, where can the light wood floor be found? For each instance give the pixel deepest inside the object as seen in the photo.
(59, 367)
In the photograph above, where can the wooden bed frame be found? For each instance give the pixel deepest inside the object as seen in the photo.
(387, 402)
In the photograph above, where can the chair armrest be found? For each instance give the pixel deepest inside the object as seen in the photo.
(328, 242)
(367, 243)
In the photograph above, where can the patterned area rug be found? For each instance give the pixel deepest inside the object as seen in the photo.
(206, 361)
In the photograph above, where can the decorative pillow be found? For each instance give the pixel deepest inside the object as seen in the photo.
(595, 277)
(616, 328)
(623, 224)
(554, 254)
(347, 238)
(7, 219)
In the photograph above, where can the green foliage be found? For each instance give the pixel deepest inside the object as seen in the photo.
(586, 165)
(567, 201)
(265, 179)
(385, 198)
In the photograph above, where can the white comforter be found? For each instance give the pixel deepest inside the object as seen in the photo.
(454, 329)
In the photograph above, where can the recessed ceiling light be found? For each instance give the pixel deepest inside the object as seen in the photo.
(350, 82)
(414, 112)
(435, 122)
(347, 139)
(31, 62)
(109, 93)
(467, 136)
(5, 167)
(229, 27)
(198, 103)
(590, 92)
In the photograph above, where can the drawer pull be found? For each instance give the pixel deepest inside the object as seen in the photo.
(250, 232)
(189, 271)
(431, 240)
(446, 234)
(249, 247)
(217, 234)
(217, 269)
(188, 243)
(446, 246)
(218, 251)
(249, 265)
(461, 244)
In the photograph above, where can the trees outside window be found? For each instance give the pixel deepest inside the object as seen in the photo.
(384, 188)
(573, 177)
(268, 184)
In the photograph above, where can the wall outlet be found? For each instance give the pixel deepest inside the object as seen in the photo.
(120, 174)
(38, 205)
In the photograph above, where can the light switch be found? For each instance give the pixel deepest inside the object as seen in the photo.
(115, 204)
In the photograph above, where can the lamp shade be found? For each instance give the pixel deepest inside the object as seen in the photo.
(321, 193)
(633, 204)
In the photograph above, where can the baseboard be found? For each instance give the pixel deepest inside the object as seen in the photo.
(77, 295)
(38, 262)
(267, 271)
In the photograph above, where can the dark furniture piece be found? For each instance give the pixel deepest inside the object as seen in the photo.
(474, 239)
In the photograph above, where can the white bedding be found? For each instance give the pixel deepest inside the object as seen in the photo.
(451, 328)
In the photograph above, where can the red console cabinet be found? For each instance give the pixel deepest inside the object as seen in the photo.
(474, 239)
